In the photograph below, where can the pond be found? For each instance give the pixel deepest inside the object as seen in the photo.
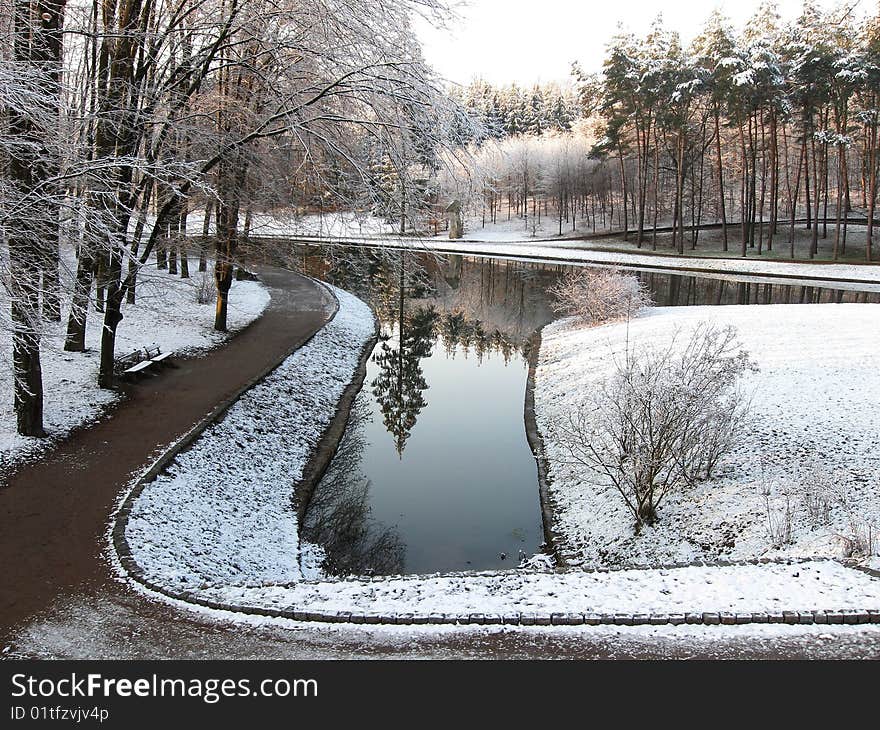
(434, 472)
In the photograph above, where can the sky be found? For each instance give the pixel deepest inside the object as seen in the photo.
(528, 41)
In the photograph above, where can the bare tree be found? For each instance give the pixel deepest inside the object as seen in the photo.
(662, 420)
(149, 106)
(600, 295)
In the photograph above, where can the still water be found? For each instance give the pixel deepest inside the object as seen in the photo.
(434, 472)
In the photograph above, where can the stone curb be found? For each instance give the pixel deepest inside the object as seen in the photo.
(540, 618)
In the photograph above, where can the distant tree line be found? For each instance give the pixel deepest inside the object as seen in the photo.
(507, 111)
(764, 132)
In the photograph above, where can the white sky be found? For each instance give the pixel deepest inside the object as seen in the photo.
(536, 40)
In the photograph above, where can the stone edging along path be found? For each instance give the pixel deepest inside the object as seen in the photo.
(302, 611)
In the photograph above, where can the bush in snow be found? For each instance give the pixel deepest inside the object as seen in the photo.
(861, 539)
(777, 514)
(662, 420)
(205, 288)
(599, 295)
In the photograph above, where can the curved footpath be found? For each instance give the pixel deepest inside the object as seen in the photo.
(54, 512)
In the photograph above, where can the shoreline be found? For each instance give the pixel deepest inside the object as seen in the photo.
(536, 443)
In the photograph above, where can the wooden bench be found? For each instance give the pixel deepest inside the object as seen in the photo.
(142, 361)
(127, 361)
(137, 368)
(162, 358)
(156, 356)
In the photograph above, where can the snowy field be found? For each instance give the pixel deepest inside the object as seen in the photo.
(518, 229)
(167, 314)
(809, 461)
(223, 511)
(340, 224)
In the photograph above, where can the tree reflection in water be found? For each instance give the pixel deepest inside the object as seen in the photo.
(399, 387)
(460, 333)
(338, 518)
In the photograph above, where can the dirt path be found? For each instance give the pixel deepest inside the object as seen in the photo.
(53, 513)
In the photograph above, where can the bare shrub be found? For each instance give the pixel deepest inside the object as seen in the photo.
(860, 537)
(205, 288)
(821, 491)
(860, 541)
(778, 521)
(830, 496)
(599, 295)
(778, 514)
(662, 420)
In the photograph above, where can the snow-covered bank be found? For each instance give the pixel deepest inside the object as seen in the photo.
(167, 314)
(219, 529)
(839, 276)
(223, 511)
(520, 597)
(508, 238)
(810, 459)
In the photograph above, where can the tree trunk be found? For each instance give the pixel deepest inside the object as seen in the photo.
(623, 191)
(30, 233)
(116, 134)
(46, 54)
(79, 304)
(794, 199)
(744, 192)
(206, 230)
(817, 190)
(231, 179)
(872, 188)
(681, 184)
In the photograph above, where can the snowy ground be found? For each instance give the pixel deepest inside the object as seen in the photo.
(126, 627)
(517, 229)
(709, 240)
(511, 238)
(332, 225)
(820, 585)
(223, 511)
(167, 314)
(817, 415)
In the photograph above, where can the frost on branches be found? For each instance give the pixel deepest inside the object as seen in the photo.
(662, 420)
(121, 124)
(597, 296)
